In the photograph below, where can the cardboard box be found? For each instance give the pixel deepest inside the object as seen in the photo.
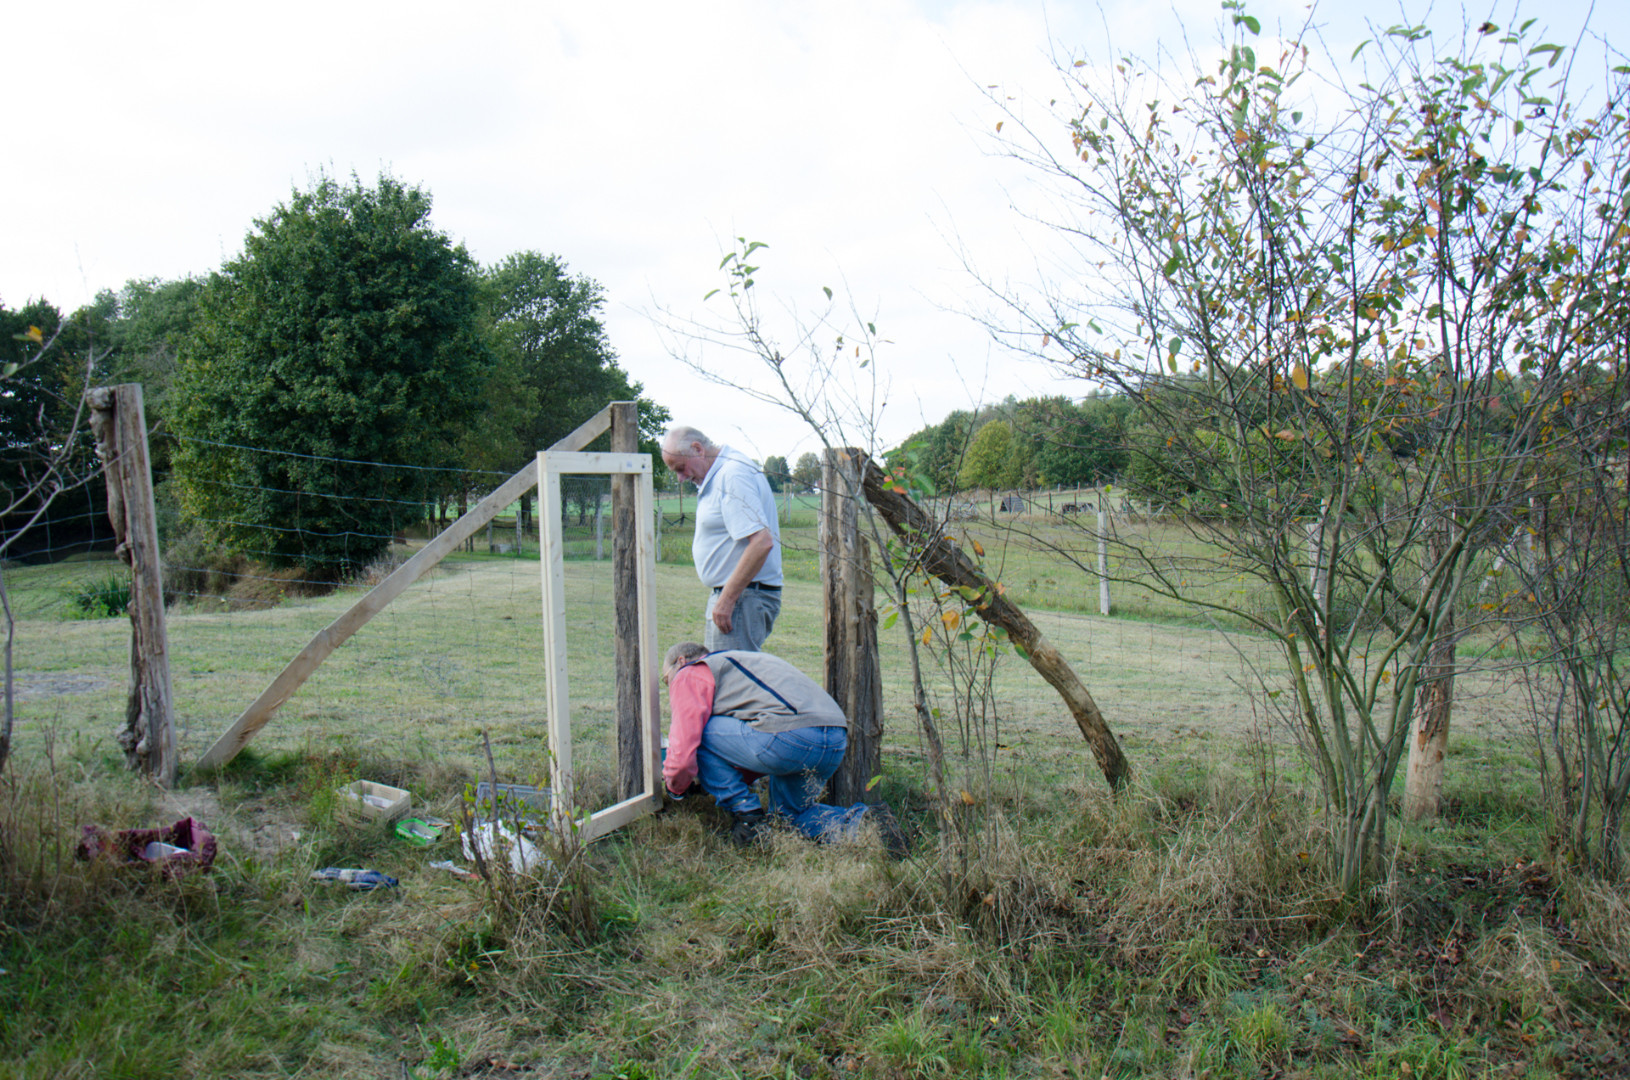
(380, 801)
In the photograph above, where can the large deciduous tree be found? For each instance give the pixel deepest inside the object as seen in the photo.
(1347, 330)
(343, 338)
(47, 508)
(807, 473)
(989, 461)
(548, 324)
(777, 472)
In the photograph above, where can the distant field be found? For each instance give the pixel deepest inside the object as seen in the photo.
(461, 652)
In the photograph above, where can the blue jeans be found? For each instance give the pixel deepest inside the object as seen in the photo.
(751, 621)
(798, 764)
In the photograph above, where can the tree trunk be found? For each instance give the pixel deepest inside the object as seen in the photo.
(1423, 776)
(853, 676)
(942, 558)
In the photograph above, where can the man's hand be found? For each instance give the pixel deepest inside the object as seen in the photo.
(722, 608)
(759, 546)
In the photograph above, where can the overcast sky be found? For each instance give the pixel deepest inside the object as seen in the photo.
(632, 139)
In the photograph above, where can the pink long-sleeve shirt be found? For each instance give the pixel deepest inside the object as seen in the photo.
(690, 704)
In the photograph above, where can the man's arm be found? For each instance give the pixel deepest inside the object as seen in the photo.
(759, 546)
(690, 701)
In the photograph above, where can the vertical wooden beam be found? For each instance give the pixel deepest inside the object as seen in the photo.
(1103, 557)
(625, 549)
(852, 675)
(551, 558)
(148, 734)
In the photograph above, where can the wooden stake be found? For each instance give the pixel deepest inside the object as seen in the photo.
(148, 734)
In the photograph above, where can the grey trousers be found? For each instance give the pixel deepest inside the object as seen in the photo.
(750, 622)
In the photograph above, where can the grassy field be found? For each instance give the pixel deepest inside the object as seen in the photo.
(1182, 929)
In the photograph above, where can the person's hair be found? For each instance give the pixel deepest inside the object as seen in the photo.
(683, 435)
(684, 652)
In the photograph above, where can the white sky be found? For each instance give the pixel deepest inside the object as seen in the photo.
(633, 139)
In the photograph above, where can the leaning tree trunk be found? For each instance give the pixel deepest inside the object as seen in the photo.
(941, 557)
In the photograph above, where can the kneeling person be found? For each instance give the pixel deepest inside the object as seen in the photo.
(736, 712)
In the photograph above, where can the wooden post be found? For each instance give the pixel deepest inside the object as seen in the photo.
(853, 677)
(1103, 557)
(625, 438)
(148, 733)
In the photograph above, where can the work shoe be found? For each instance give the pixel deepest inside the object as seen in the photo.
(748, 827)
(889, 833)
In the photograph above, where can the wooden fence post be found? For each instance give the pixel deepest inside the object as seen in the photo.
(148, 732)
(625, 438)
(853, 676)
(1103, 557)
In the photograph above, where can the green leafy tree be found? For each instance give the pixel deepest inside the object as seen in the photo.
(346, 334)
(49, 506)
(1078, 444)
(776, 472)
(989, 462)
(548, 324)
(807, 473)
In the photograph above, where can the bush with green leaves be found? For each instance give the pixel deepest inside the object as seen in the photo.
(345, 335)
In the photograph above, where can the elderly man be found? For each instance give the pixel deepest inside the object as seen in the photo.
(737, 546)
(739, 715)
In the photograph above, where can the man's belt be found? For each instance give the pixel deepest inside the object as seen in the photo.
(761, 587)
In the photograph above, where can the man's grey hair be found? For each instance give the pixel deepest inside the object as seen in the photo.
(683, 435)
(683, 653)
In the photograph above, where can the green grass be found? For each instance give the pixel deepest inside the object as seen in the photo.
(1180, 929)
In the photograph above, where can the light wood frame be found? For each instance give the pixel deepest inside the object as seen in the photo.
(551, 466)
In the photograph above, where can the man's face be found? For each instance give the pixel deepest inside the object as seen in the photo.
(687, 462)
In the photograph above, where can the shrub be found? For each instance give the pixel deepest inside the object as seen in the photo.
(102, 599)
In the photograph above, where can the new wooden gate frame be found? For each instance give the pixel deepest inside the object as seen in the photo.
(551, 465)
(331, 637)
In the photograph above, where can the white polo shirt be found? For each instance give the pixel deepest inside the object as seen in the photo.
(733, 503)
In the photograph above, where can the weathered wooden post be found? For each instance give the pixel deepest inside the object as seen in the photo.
(853, 676)
(1103, 557)
(625, 438)
(148, 733)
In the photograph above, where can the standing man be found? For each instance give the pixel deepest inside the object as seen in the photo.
(737, 546)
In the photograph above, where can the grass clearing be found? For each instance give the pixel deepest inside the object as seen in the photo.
(1180, 930)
